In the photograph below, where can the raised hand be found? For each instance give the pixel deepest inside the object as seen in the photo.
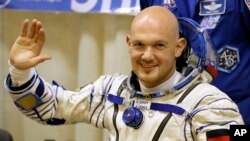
(25, 52)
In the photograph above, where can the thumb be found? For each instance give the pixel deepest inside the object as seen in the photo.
(39, 59)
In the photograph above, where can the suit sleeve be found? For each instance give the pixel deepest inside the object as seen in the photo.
(53, 104)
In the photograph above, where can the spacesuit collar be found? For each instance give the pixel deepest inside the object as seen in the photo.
(133, 86)
(174, 79)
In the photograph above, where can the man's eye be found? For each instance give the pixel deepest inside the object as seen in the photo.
(138, 45)
(160, 46)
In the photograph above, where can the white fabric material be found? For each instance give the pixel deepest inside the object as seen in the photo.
(20, 76)
(204, 105)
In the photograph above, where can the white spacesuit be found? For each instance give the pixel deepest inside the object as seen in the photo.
(185, 107)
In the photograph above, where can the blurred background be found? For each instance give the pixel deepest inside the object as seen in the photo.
(83, 46)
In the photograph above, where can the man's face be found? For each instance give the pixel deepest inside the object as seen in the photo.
(153, 53)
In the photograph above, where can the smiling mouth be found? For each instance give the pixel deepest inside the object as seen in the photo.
(148, 68)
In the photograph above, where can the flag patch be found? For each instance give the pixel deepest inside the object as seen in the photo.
(218, 135)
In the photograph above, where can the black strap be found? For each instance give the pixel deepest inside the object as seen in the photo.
(166, 119)
(116, 108)
(114, 121)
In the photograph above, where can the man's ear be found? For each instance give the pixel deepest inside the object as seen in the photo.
(181, 44)
(128, 40)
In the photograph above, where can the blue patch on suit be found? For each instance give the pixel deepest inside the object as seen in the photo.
(212, 7)
(228, 59)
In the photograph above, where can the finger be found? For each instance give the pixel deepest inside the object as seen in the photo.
(38, 27)
(41, 38)
(32, 28)
(24, 28)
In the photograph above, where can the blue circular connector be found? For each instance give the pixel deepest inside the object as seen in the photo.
(132, 117)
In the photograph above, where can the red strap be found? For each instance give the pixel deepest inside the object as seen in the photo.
(220, 138)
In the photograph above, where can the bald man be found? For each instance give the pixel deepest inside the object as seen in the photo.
(221, 18)
(144, 105)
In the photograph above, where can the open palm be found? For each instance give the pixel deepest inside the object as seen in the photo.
(25, 52)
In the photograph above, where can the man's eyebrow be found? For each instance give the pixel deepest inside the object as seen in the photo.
(136, 41)
(154, 42)
(162, 42)
(158, 41)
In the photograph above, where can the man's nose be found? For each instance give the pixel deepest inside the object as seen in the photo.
(148, 54)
